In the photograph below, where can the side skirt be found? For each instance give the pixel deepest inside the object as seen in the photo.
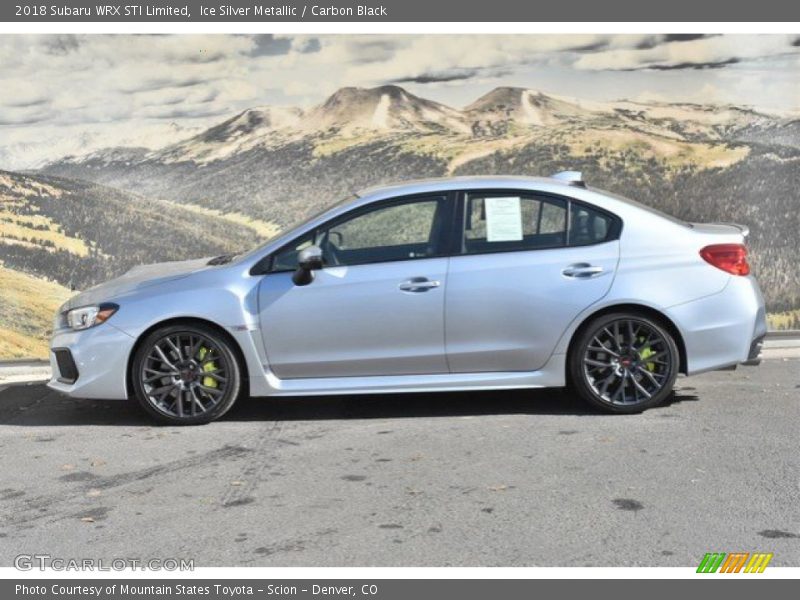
(551, 375)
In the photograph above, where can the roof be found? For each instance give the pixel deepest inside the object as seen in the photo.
(440, 183)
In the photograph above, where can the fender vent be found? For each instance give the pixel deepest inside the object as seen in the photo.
(67, 371)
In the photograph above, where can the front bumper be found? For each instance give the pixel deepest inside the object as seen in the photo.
(92, 363)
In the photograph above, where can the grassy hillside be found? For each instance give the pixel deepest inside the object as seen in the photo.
(80, 233)
(26, 313)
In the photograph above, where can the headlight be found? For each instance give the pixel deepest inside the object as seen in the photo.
(89, 316)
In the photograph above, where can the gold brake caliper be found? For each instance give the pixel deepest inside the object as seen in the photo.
(646, 353)
(209, 366)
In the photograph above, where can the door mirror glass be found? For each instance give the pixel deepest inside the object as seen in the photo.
(310, 258)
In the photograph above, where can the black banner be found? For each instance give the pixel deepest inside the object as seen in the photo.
(389, 589)
(396, 11)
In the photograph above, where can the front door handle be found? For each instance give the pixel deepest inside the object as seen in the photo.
(418, 284)
(582, 271)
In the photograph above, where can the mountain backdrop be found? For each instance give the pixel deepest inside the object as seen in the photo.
(85, 217)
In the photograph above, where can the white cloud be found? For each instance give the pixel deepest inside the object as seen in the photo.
(442, 54)
(707, 51)
(107, 77)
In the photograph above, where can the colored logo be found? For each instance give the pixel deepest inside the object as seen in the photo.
(735, 562)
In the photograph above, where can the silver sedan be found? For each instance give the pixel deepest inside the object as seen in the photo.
(479, 283)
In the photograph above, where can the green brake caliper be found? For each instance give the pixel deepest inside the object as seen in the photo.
(646, 353)
(209, 366)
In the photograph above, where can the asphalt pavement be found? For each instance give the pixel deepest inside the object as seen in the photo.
(520, 478)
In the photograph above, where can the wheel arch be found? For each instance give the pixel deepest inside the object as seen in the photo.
(639, 309)
(237, 349)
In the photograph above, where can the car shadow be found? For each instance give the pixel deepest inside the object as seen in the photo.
(35, 405)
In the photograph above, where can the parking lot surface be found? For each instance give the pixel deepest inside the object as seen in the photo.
(520, 478)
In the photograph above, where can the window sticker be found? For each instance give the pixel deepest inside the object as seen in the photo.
(503, 219)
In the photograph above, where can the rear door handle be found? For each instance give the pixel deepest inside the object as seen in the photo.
(582, 271)
(418, 284)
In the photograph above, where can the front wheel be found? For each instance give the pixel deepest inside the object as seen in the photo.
(624, 363)
(186, 374)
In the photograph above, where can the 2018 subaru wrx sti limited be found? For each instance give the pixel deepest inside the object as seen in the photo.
(456, 284)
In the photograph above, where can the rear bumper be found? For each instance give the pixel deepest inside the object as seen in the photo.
(723, 329)
(92, 363)
(754, 356)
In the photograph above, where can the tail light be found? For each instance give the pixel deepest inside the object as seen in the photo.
(731, 258)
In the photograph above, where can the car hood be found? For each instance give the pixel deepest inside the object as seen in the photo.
(136, 279)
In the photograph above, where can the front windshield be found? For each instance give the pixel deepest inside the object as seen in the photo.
(299, 224)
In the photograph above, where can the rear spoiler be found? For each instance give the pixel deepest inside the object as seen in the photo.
(743, 228)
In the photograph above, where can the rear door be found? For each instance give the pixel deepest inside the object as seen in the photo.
(527, 265)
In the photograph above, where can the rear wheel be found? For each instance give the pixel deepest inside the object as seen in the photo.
(624, 363)
(186, 374)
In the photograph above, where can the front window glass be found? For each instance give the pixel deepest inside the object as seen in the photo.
(387, 233)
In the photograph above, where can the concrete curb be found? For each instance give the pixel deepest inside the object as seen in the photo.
(788, 333)
(769, 352)
(23, 362)
(23, 374)
(781, 343)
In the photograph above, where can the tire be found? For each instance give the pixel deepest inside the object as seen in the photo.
(623, 363)
(186, 374)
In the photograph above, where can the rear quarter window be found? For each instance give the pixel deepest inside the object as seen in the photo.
(589, 226)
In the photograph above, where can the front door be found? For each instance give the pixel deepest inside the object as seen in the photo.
(376, 308)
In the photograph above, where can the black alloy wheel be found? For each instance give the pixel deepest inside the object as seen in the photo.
(624, 363)
(186, 374)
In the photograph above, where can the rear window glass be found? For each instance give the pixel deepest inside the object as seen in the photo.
(503, 222)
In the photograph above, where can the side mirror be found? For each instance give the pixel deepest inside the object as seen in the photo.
(309, 260)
